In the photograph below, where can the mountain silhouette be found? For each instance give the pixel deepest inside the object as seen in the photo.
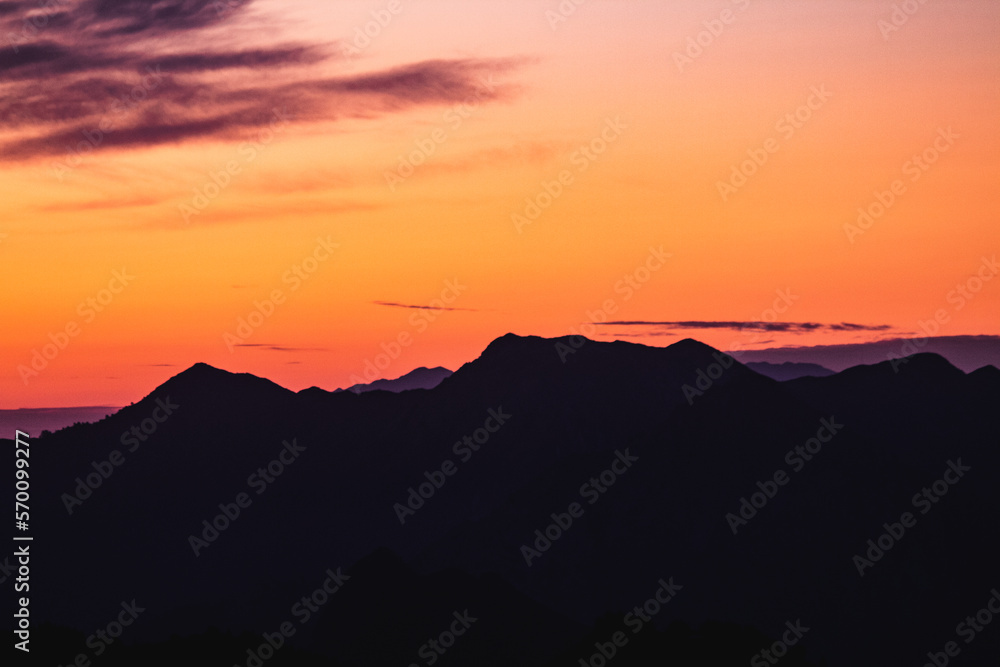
(418, 378)
(549, 488)
(788, 370)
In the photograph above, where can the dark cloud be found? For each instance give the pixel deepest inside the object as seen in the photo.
(428, 82)
(267, 347)
(127, 67)
(847, 326)
(156, 17)
(781, 327)
(277, 57)
(393, 304)
(7, 8)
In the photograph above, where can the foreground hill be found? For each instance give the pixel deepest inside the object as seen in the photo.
(548, 489)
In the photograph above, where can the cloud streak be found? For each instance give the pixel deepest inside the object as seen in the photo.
(751, 325)
(267, 347)
(126, 67)
(393, 304)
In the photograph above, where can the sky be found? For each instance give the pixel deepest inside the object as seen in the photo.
(323, 193)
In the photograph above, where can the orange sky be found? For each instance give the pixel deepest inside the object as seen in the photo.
(508, 103)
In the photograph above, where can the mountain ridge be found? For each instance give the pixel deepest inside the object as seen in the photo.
(398, 471)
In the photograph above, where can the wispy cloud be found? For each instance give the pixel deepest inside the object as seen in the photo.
(750, 325)
(135, 202)
(393, 304)
(126, 67)
(268, 347)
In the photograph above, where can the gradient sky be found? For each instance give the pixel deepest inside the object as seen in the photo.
(167, 96)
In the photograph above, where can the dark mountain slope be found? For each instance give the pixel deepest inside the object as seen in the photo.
(520, 431)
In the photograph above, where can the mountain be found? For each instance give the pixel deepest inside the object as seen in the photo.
(788, 370)
(35, 420)
(558, 491)
(965, 352)
(418, 378)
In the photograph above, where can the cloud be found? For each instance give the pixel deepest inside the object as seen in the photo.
(157, 17)
(7, 8)
(267, 347)
(122, 74)
(134, 202)
(752, 325)
(245, 212)
(393, 304)
(510, 153)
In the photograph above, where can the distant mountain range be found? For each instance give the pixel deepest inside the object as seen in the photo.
(418, 378)
(966, 353)
(35, 420)
(661, 505)
(788, 370)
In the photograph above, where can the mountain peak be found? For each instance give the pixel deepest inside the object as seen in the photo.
(201, 368)
(690, 345)
(206, 382)
(511, 342)
(929, 363)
